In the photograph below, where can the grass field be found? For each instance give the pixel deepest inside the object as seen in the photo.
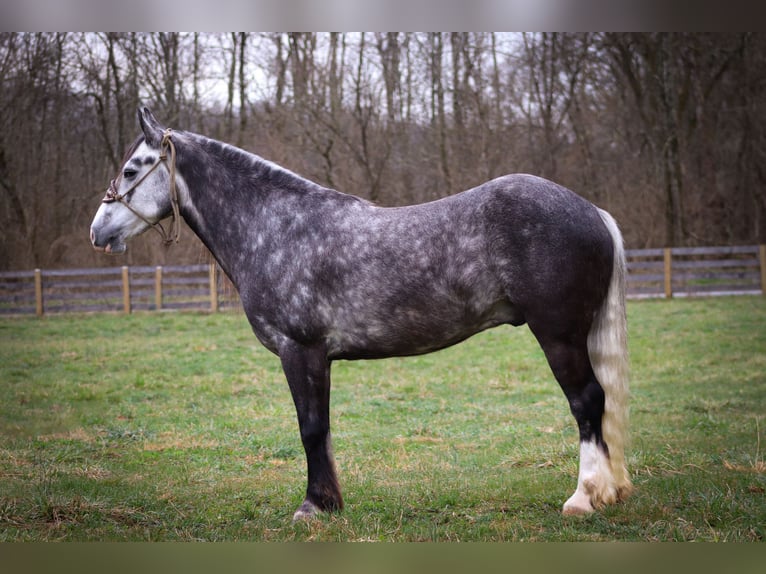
(179, 426)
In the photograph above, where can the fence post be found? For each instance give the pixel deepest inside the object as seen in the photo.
(213, 288)
(38, 292)
(762, 258)
(125, 289)
(158, 287)
(668, 273)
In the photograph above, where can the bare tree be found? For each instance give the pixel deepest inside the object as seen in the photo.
(554, 63)
(389, 52)
(438, 112)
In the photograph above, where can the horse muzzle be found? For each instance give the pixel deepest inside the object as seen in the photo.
(106, 244)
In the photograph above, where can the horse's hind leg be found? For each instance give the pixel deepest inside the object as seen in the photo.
(570, 363)
(308, 375)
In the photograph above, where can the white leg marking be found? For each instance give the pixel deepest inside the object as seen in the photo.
(595, 483)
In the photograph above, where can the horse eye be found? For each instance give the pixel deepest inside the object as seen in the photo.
(129, 173)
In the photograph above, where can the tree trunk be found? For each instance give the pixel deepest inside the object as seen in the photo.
(437, 109)
(242, 89)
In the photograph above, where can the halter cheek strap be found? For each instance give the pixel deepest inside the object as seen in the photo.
(174, 232)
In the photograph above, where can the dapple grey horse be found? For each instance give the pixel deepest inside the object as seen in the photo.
(323, 276)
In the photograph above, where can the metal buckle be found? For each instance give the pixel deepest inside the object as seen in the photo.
(111, 194)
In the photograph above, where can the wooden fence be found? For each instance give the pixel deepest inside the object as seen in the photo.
(676, 272)
(695, 271)
(122, 289)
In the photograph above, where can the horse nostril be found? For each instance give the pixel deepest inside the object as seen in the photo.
(92, 237)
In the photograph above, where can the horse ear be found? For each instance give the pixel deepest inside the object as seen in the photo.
(152, 129)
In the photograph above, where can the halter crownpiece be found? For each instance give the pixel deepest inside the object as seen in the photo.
(112, 195)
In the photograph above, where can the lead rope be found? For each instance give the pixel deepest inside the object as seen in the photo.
(174, 231)
(175, 224)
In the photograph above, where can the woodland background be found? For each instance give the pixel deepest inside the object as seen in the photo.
(667, 131)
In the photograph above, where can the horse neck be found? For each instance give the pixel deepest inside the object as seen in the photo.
(230, 194)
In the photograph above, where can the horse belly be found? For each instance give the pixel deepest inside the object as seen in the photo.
(421, 324)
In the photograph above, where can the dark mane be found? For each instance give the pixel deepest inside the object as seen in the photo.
(245, 172)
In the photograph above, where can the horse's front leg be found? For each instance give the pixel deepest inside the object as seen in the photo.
(308, 374)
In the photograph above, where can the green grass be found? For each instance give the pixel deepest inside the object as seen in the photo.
(179, 426)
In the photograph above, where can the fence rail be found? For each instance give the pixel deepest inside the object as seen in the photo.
(672, 272)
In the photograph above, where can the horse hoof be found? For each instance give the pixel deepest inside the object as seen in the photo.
(577, 505)
(576, 510)
(306, 511)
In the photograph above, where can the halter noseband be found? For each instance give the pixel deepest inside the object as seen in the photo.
(174, 232)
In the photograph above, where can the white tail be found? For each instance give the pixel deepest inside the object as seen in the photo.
(608, 351)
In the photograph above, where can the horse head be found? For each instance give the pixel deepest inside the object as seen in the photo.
(141, 195)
